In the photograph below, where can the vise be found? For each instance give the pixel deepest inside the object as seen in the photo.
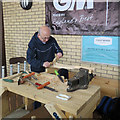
(80, 80)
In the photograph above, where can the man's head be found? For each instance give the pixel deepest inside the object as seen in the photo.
(44, 33)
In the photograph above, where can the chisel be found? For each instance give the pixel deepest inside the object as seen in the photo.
(59, 76)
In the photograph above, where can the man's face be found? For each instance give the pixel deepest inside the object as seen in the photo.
(44, 36)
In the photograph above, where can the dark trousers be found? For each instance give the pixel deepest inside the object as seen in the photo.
(36, 104)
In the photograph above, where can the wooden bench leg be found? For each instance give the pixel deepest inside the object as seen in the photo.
(26, 103)
(55, 111)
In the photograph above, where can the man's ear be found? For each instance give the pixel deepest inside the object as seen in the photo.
(38, 35)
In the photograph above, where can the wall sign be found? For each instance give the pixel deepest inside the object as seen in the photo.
(101, 49)
(26, 4)
(78, 17)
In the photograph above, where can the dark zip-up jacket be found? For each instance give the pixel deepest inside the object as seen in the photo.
(38, 52)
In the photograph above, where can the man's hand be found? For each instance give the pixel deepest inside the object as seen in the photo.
(46, 64)
(59, 55)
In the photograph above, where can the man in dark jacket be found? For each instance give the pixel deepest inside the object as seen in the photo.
(42, 49)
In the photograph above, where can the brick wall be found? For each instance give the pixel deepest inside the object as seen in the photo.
(21, 24)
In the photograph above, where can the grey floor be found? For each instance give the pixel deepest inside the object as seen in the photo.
(17, 114)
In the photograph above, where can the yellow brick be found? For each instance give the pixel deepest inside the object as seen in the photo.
(77, 61)
(66, 62)
(71, 60)
(117, 69)
(96, 66)
(101, 71)
(106, 75)
(71, 53)
(116, 77)
(113, 73)
(75, 50)
(107, 68)
(71, 46)
(76, 57)
(97, 74)
(75, 43)
(67, 56)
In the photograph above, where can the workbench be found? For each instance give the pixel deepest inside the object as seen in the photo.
(81, 104)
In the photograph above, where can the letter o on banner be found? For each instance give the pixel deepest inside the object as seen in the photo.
(26, 4)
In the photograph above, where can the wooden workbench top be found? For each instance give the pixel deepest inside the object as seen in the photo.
(80, 98)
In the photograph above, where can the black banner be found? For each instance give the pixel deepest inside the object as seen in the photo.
(83, 18)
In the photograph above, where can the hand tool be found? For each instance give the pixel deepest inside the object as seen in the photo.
(31, 83)
(43, 85)
(38, 87)
(54, 60)
(51, 63)
(29, 75)
(63, 97)
(21, 79)
(34, 77)
(8, 80)
(14, 76)
(27, 79)
(49, 88)
(80, 80)
(59, 76)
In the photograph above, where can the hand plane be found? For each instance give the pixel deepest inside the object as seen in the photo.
(80, 80)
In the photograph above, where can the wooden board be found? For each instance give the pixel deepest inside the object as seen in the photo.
(75, 105)
(109, 87)
(5, 104)
(71, 67)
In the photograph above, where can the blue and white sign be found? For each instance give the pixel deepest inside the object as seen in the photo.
(101, 49)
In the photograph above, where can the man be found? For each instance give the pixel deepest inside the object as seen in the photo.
(42, 49)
